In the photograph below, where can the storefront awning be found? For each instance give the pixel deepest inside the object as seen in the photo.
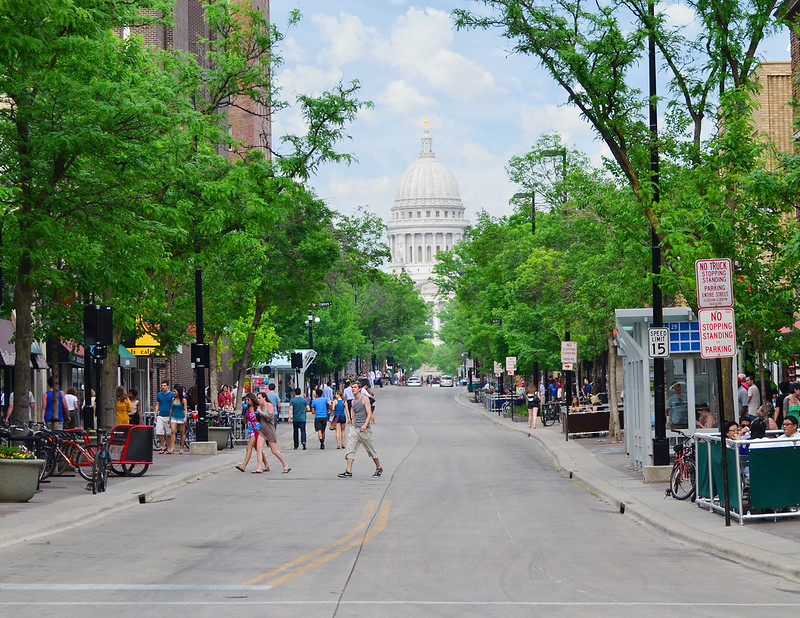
(38, 360)
(7, 352)
(126, 359)
(70, 353)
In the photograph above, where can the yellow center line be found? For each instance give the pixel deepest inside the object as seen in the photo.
(362, 525)
(380, 524)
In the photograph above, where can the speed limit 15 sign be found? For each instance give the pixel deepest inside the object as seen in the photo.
(658, 342)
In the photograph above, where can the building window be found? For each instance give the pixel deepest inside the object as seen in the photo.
(445, 216)
(437, 214)
(428, 215)
(419, 214)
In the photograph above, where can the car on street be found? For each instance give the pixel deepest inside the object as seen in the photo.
(446, 381)
(414, 381)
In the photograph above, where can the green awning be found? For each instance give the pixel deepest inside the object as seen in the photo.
(126, 359)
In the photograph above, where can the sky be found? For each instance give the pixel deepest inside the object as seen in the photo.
(484, 103)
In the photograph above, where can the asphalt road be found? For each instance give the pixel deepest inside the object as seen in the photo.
(468, 519)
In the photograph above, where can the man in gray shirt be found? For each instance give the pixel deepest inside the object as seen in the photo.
(360, 420)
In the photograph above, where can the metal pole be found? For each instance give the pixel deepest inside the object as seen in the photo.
(660, 442)
(723, 446)
(201, 428)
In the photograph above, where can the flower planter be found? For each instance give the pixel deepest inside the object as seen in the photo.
(19, 479)
(220, 435)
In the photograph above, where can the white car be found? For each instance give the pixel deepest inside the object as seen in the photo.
(446, 381)
(414, 381)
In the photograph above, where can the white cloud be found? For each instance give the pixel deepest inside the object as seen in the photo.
(682, 17)
(419, 48)
(345, 192)
(346, 36)
(400, 98)
(305, 79)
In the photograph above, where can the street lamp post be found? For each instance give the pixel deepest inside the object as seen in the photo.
(312, 370)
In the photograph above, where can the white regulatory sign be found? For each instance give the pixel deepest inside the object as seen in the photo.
(714, 283)
(569, 352)
(658, 342)
(717, 333)
(511, 364)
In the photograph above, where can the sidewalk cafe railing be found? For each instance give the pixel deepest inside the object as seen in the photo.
(762, 479)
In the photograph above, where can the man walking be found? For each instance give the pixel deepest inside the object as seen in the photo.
(298, 406)
(163, 409)
(753, 398)
(360, 420)
(54, 407)
(320, 405)
(273, 398)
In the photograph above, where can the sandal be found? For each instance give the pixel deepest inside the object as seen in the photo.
(257, 472)
(239, 468)
(162, 451)
(286, 471)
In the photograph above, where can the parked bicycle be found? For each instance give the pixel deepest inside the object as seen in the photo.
(101, 463)
(551, 412)
(683, 479)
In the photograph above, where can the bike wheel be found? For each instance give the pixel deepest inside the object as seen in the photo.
(547, 416)
(682, 480)
(119, 469)
(46, 453)
(105, 465)
(506, 409)
(83, 461)
(134, 469)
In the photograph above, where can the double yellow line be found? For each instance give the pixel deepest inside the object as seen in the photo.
(328, 552)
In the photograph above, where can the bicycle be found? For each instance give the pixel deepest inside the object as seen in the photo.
(683, 479)
(101, 463)
(551, 413)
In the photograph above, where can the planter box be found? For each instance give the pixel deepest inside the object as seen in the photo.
(19, 479)
(220, 436)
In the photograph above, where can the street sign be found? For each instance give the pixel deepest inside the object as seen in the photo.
(569, 352)
(511, 364)
(717, 333)
(498, 368)
(714, 283)
(323, 303)
(658, 342)
(567, 367)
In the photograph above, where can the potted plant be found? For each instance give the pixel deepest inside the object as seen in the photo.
(19, 474)
(220, 435)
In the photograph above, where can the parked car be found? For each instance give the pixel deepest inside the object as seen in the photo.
(414, 381)
(446, 381)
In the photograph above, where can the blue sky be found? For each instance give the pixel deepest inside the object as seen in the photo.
(484, 103)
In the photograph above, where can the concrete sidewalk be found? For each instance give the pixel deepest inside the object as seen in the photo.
(601, 467)
(63, 502)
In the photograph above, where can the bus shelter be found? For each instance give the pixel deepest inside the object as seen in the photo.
(691, 381)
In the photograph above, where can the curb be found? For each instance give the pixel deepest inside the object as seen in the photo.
(736, 551)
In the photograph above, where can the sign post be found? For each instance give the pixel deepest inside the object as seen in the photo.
(717, 338)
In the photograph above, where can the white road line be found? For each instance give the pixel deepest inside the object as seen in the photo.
(136, 587)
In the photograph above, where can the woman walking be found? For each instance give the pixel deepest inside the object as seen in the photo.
(253, 426)
(124, 408)
(339, 420)
(532, 397)
(177, 418)
(136, 418)
(266, 415)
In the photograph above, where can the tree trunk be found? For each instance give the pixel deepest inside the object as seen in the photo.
(108, 407)
(612, 389)
(23, 333)
(248, 347)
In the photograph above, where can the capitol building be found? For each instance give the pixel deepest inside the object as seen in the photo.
(427, 217)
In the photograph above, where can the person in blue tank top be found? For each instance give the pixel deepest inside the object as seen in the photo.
(177, 418)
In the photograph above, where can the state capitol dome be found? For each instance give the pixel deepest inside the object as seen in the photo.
(427, 217)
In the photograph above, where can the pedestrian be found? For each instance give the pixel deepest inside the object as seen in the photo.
(298, 406)
(177, 418)
(52, 414)
(327, 391)
(533, 401)
(339, 419)
(253, 426)
(267, 433)
(753, 398)
(348, 395)
(29, 405)
(133, 397)
(163, 410)
(360, 433)
(273, 398)
(321, 407)
(71, 398)
(225, 399)
(123, 406)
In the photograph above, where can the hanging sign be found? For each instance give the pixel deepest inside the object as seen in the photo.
(717, 333)
(714, 283)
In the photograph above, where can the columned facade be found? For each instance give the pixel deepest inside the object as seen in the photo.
(427, 217)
